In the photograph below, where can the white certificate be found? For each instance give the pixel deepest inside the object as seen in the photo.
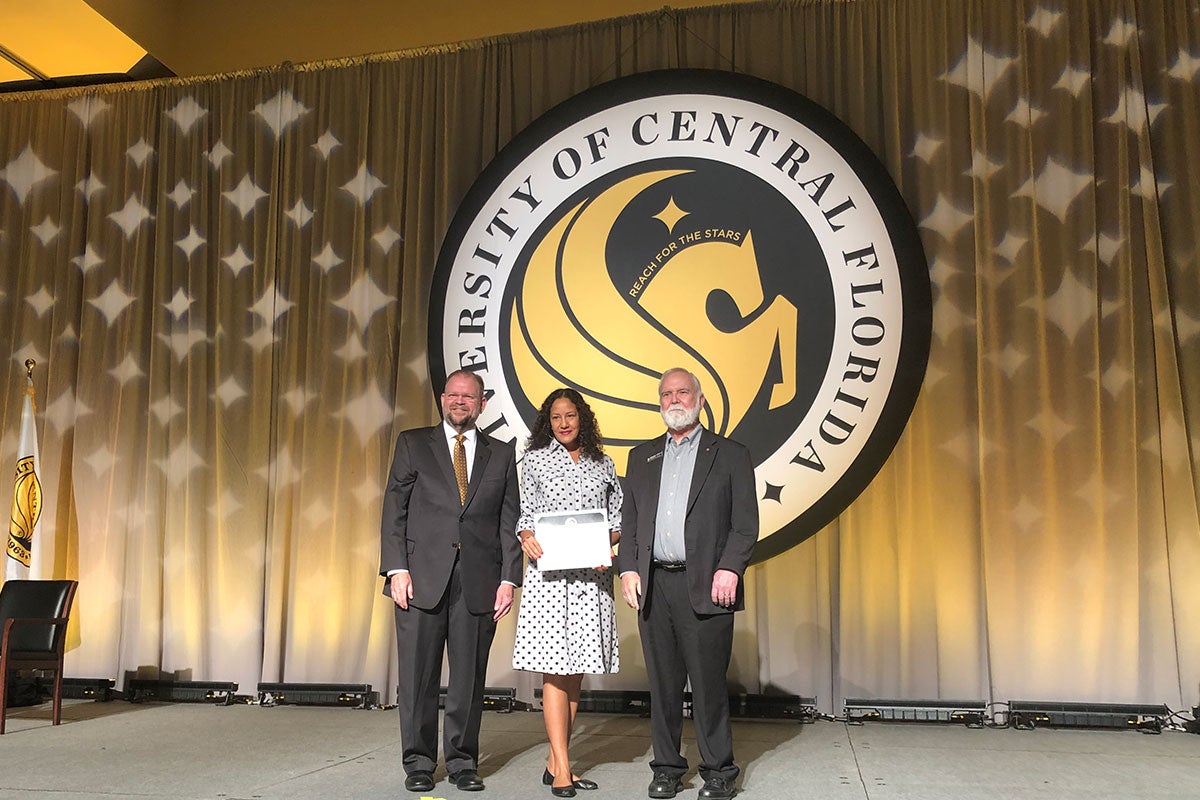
(573, 539)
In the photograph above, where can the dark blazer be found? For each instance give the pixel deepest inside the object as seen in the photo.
(424, 523)
(721, 527)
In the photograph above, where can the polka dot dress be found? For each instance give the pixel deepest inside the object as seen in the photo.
(566, 623)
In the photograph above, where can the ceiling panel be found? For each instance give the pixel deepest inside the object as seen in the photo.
(8, 72)
(60, 38)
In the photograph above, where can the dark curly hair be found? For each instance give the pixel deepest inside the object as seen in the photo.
(589, 430)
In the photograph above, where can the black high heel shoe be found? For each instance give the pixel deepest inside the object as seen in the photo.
(582, 783)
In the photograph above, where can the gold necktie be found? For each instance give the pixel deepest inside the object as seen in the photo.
(460, 467)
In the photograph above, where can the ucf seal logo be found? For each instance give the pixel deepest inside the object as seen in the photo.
(26, 510)
(706, 220)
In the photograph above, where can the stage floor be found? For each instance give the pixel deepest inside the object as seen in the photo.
(170, 751)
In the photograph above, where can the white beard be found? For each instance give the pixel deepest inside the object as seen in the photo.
(677, 417)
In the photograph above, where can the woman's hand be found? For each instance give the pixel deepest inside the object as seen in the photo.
(530, 546)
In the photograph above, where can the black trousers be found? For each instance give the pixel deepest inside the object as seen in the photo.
(422, 635)
(679, 644)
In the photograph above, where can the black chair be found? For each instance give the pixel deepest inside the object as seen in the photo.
(34, 615)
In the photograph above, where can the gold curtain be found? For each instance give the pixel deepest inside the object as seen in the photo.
(225, 284)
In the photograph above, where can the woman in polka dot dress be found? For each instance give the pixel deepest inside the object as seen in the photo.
(566, 626)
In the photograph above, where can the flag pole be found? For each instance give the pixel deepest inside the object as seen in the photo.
(29, 390)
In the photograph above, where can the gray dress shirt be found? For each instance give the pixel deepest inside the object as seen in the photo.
(679, 462)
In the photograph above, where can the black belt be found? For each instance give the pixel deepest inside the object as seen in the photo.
(669, 566)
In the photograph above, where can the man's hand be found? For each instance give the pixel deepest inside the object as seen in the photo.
(631, 588)
(724, 588)
(402, 590)
(504, 600)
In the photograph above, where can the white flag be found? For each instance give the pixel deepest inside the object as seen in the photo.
(23, 559)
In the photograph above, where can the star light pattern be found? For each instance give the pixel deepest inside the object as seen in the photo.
(211, 278)
(174, 278)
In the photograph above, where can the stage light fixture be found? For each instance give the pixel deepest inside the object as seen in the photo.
(742, 706)
(605, 701)
(99, 689)
(765, 706)
(341, 695)
(215, 692)
(972, 713)
(495, 698)
(1030, 714)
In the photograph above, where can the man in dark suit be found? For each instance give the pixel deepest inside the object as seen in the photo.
(689, 526)
(451, 558)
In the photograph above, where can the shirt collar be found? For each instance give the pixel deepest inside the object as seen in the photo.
(450, 433)
(561, 449)
(690, 440)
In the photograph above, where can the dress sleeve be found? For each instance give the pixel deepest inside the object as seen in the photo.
(531, 489)
(615, 495)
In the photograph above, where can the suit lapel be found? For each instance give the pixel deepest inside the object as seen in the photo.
(706, 453)
(482, 454)
(654, 465)
(441, 454)
(654, 462)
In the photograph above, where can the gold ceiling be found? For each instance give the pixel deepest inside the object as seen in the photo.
(52, 39)
(49, 43)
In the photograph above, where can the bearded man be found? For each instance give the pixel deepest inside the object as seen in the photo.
(689, 526)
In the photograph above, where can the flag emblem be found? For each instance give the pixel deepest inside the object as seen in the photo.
(26, 511)
(25, 520)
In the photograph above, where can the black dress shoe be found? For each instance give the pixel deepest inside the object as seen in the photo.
(717, 788)
(562, 791)
(467, 780)
(664, 785)
(582, 783)
(419, 782)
